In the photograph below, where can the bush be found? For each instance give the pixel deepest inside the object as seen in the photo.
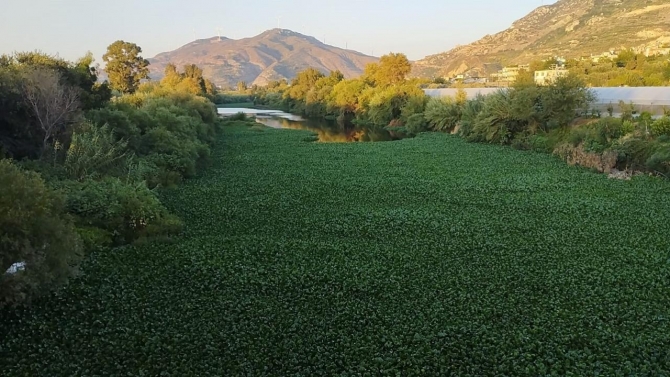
(627, 127)
(170, 133)
(659, 162)
(125, 212)
(600, 135)
(35, 230)
(239, 116)
(95, 152)
(499, 120)
(119, 123)
(470, 111)
(416, 123)
(443, 114)
(661, 126)
(540, 143)
(167, 151)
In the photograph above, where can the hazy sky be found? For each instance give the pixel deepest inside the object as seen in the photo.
(415, 27)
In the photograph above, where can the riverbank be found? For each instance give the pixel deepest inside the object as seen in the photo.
(422, 256)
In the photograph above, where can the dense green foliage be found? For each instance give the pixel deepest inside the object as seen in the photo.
(188, 81)
(381, 97)
(125, 67)
(35, 231)
(556, 119)
(20, 133)
(226, 98)
(100, 165)
(627, 68)
(427, 256)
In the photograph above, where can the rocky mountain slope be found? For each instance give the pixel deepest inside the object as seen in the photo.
(274, 54)
(567, 28)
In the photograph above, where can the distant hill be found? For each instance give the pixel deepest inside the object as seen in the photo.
(272, 55)
(568, 28)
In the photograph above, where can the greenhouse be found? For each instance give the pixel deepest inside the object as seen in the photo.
(655, 100)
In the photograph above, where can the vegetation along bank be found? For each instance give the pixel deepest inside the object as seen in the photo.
(559, 118)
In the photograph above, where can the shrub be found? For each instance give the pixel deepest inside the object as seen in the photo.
(167, 151)
(239, 116)
(443, 114)
(499, 120)
(557, 104)
(125, 212)
(539, 143)
(119, 123)
(600, 135)
(416, 123)
(661, 127)
(35, 230)
(470, 111)
(659, 162)
(645, 116)
(627, 110)
(627, 127)
(95, 152)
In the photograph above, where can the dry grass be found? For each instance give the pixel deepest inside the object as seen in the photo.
(602, 162)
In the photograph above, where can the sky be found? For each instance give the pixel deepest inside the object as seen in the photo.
(417, 28)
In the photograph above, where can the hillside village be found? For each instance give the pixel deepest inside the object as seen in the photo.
(507, 75)
(579, 30)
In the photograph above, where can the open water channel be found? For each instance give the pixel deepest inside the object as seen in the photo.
(326, 130)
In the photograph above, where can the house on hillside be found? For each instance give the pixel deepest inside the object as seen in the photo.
(656, 51)
(549, 76)
(611, 54)
(509, 74)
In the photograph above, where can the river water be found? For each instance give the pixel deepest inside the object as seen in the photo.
(326, 131)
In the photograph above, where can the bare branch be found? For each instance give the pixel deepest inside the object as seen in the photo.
(54, 104)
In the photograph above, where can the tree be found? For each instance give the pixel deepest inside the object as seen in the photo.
(171, 77)
(36, 236)
(524, 79)
(125, 67)
(303, 82)
(300, 86)
(81, 74)
(346, 95)
(53, 104)
(393, 69)
(18, 137)
(210, 88)
(193, 82)
(241, 86)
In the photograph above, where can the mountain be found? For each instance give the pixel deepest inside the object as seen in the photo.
(567, 28)
(272, 55)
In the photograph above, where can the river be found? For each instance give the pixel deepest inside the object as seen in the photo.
(325, 130)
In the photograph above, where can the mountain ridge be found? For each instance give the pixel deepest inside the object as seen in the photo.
(272, 55)
(567, 28)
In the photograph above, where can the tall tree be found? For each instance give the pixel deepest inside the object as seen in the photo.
(393, 69)
(172, 77)
(125, 66)
(242, 86)
(81, 74)
(193, 73)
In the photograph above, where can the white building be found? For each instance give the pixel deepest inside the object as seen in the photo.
(547, 77)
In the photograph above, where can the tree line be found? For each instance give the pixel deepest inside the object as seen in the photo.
(81, 160)
(558, 118)
(382, 94)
